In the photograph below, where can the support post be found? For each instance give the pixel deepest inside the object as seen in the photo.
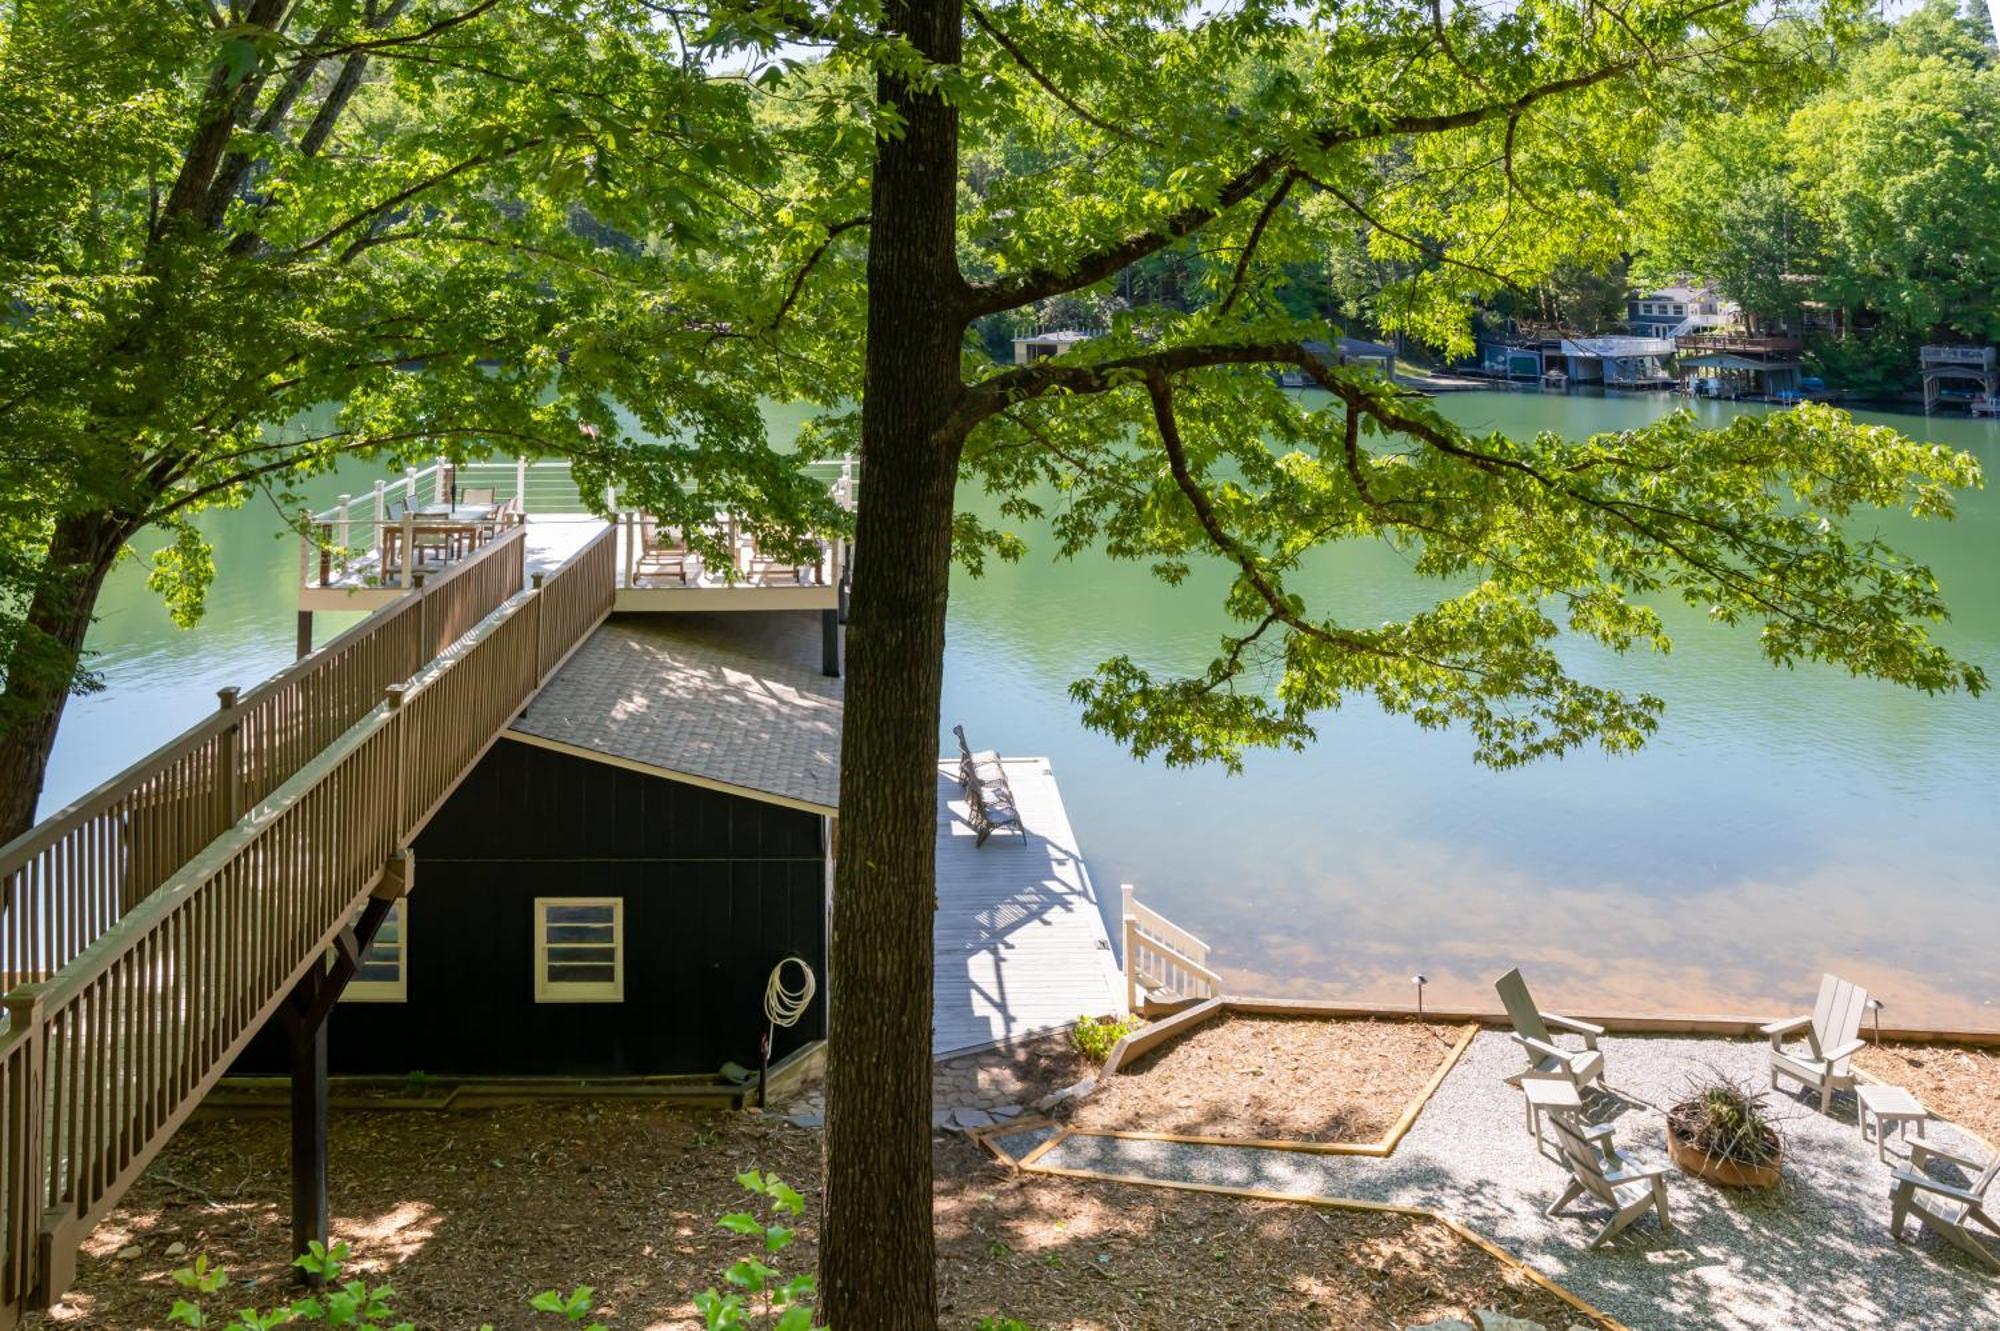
(343, 530)
(305, 638)
(229, 783)
(1129, 927)
(829, 643)
(445, 489)
(409, 551)
(309, 1209)
(381, 517)
(521, 483)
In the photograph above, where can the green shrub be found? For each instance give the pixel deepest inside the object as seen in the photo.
(1094, 1036)
(757, 1281)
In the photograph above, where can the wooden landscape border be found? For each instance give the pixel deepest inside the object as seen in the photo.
(1625, 1023)
(1150, 1037)
(1031, 1164)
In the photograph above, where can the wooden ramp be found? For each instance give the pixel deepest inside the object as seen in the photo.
(1021, 940)
(152, 928)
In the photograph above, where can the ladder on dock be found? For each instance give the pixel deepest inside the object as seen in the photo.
(148, 931)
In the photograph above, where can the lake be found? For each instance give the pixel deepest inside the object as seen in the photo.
(1780, 823)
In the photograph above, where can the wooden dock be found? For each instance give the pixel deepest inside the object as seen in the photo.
(1022, 943)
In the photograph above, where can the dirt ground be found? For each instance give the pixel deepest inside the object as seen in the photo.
(1957, 1082)
(1276, 1079)
(469, 1214)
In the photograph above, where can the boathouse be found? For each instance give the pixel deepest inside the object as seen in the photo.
(1961, 374)
(1042, 345)
(609, 890)
(1741, 365)
(1618, 362)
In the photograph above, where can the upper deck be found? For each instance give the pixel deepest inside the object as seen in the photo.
(353, 555)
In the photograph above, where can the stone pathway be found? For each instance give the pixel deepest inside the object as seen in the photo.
(1813, 1253)
(970, 1091)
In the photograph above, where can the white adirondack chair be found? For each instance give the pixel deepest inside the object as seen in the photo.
(1596, 1167)
(1546, 1058)
(1832, 1034)
(1951, 1212)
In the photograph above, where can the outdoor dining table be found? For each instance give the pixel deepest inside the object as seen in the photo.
(439, 526)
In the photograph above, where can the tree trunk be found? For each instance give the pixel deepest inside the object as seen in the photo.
(41, 667)
(877, 1258)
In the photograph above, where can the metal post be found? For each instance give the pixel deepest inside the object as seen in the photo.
(1420, 981)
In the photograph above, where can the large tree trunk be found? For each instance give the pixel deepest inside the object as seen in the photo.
(877, 1260)
(41, 667)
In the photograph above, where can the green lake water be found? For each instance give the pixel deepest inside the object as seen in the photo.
(1781, 822)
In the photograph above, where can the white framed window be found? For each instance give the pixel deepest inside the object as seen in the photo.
(579, 949)
(384, 973)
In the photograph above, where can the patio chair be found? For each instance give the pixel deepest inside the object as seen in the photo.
(1546, 1058)
(1945, 1210)
(990, 805)
(1596, 1167)
(1948, 1211)
(1832, 1032)
(662, 557)
(474, 496)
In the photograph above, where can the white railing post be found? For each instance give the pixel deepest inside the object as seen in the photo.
(1130, 942)
(440, 494)
(521, 482)
(342, 519)
(410, 487)
(409, 544)
(381, 516)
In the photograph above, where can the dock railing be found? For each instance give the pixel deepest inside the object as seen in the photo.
(1161, 957)
(78, 872)
(104, 1058)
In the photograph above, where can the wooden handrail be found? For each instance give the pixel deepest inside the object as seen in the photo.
(102, 1060)
(76, 873)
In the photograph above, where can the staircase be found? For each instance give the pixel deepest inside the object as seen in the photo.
(148, 931)
(1164, 963)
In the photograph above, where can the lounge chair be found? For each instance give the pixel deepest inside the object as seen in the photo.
(1949, 1211)
(981, 766)
(1832, 1032)
(661, 556)
(989, 799)
(1546, 1058)
(475, 496)
(1596, 1167)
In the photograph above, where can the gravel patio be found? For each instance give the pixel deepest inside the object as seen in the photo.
(1815, 1252)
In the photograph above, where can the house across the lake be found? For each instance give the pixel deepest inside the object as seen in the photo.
(1042, 345)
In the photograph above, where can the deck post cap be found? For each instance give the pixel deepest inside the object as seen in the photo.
(536, 578)
(228, 696)
(393, 695)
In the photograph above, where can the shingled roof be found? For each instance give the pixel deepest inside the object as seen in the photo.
(732, 700)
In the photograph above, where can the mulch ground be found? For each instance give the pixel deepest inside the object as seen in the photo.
(469, 1214)
(1275, 1079)
(1956, 1082)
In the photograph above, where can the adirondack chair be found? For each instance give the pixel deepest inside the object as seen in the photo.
(1950, 1212)
(1579, 1067)
(1596, 1167)
(1832, 1034)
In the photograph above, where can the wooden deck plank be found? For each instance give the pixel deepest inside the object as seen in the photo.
(1022, 943)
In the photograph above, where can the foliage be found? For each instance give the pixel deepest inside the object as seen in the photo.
(1003, 1324)
(1095, 1036)
(784, 1301)
(1725, 1118)
(241, 243)
(1871, 191)
(354, 1303)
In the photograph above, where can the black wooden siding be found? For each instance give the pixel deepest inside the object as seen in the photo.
(717, 888)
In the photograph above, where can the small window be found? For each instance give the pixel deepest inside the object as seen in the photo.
(384, 974)
(1680, 309)
(579, 950)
